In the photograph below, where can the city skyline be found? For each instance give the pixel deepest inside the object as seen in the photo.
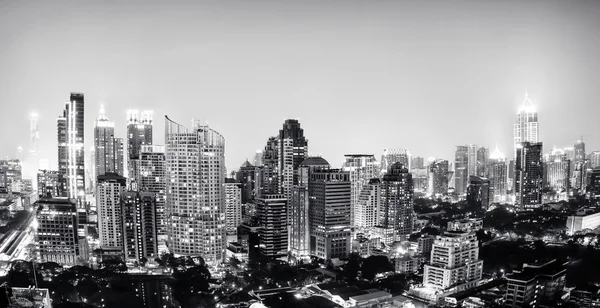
(333, 63)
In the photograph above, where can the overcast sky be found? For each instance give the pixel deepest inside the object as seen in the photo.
(359, 75)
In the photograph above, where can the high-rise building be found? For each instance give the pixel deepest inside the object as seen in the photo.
(299, 227)
(556, 171)
(272, 218)
(472, 160)
(139, 132)
(195, 160)
(498, 176)
(461, 169)
(267, 181)
(483, 155)
(10, 171)
(233, 205)
(420, 180)
(151, 178)
(397, 194)
(361, 168)
(594, 159)
(293, 149)
(47, 183)
(579, 148)
(593, 187)
(329, 213)
(369, 205)
(580, 176)
(478, 192)
(108, 150)
(454, 265)
(56, 234)
(109, 188)
(138, 212)
(438, 177)
(246, 176)
(527, 127)
(417, 162)
(257, 161)
(528, 175)
(391, 156)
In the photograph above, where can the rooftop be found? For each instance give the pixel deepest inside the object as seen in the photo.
(314, 161)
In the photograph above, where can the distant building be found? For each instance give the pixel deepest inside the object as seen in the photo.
(461, 169)
(108, 150)
(233, 205)
(293, 149)
(438, 177)
(397, 208)
(466, 225)
(246, 176)
(528, 176)
(498, 175)
(593, 187)
(424, 245)
(151, 177)
(478, 192)
(56, 234)
(362, 168)
(594, 159)
(140, 239)
(483, 155)
(368, 212)
(417, 162)
(407, 264)
(526, 127)
(139, 132)
(47, 183)
(391, 156)
(582, 222)
(535, 285)
(421, 180)
(267, 179)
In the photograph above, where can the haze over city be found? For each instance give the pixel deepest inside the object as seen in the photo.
(360, 76)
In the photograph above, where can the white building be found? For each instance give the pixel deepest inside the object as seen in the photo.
(362, 169)
(233, 206)
(454, 264)
(108, 201)
(527, 127)
(582, 222)
(367, 210)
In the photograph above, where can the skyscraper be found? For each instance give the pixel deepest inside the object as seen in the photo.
(233, 205)
(108, 201)
(138, 212)
(151, 178)
(461, 169)
(246, 176)
(257, 161)
(329, 213)
(267, 181)
(70, 149)
(527, 127)
(293, 149)
(271, 212)
(108, 150)
(472, 160)
(483, 155)
(397, 201)
(438, 177)
(528, 175)
(579, 148)
(556, 171)
(299, 213)
(417, 163)
(369, 205)
(361, 168)
(498, 176)
(47, 183)
(56, 232)
(391, 156)
(478, 192)
(195, 160)
(594, 159)
(139, 132)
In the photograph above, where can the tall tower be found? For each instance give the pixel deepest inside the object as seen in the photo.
(369, 205)
(461, 169)
(528, 175)
(70, 148)
(196, 212)
(527, 127)
(139, 132)
(108, 201)
(151, 178)
(34, 135)
(108, 150)
(233, 205)
(267, 181)
(362, 169)
(498, 175)
(139, 226)
(438, 177)
(293, 149)
(483, 155)
(397, 201)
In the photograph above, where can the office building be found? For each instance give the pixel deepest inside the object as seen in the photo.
(461, 169)
(526, 127)
(454, 265)
(483, 156)
(361, 168)
(47, 183)
(391, 156)
(438, 177)
(271, 210)
(536, 285)
(472, 160)
(140, 240)
(56, 234)
(195, 160)
(556, 171)
(299, 241)
(421, 180)
(528, 175)
(593, 186)
(139, 132)
(417, 162)
(11, 171)
(478, 192)
(329, 216)
(109, 188)
(151, 177)
(397, 194)
(293, 149)
(246, 176)
(108, 150)
(233, 205)
(70, 149)
(267, 181)
(257, 161)
(498, 175)
(580, 176)
(369, 205)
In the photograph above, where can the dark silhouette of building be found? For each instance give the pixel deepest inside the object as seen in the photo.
(271, 210)
(528, 175)
(478, 192)
(397, 201)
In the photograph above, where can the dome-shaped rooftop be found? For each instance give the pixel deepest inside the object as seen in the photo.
(314, 161)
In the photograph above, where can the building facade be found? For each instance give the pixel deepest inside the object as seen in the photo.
(272, 218)
(438, 177)
(528, 175)
(526, 127)
(397, 209)
(233, 206)
(140, 239)
(362, 168)
(478, 192)
(151, 177)
(56, 235)
(139, 132)
(108, 201)
(369, 207)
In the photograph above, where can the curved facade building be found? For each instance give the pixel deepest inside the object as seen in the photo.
(195, 169)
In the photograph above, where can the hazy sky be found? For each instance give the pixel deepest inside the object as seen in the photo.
(359, 75)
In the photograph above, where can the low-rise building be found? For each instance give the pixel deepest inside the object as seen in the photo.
(581, 222)
(587, 296)
(466, 225)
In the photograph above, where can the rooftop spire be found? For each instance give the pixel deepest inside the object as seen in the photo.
(102, 114)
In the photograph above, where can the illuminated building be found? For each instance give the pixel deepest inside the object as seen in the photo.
(581, 222)
(139, 132)
(361, 168)
(454, 265)
(151, 178)
(593, 187)
(397, 201)
(257, 161)
(233, 206)
(109, 188)
(391, 156)
(272, 218)
(195, 160)
(438, 177)
(421, 180)
(465, 225)
(108, 150)
(478, 191)
(461, 169)
(536, 285)
(498, 176)
(369, 205)
(140, 239)
(267, 181)
(472, 160)
(329, 213)
(556, 171)
(483, 155)
(526, 127)
(47, 183)
(299, 214)
(10, 171)
(594, 159)
(528, 175)
(56, 234)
